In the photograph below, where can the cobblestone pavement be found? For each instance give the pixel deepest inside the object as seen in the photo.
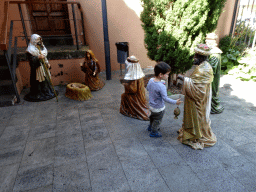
(90, 146)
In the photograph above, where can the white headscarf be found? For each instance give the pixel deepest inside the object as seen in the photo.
(134, 71)
(33, 50)
(215, 50)
(32, 46)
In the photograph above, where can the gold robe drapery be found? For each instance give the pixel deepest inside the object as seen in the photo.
(196, 130)
(133, 101)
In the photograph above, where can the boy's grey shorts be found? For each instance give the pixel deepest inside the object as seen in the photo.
(155, 120)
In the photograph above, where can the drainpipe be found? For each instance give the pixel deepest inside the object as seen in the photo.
(234, 18)
(106, 39)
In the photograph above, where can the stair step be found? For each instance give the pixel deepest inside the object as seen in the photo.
(2, 60)
(5, 73)
(5, 82)
(4, 67)
(6, 87)
(7, 100)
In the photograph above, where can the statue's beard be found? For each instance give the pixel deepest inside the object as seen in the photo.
(40, 43)
(196, 61)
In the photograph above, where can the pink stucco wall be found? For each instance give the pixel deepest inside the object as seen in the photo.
(225, 20)
(62, 72)
(124, 26)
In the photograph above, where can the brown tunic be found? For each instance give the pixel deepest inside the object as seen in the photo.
(133, 100)
(92, 81)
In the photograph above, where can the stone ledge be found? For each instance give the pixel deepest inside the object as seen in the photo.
(55, 53)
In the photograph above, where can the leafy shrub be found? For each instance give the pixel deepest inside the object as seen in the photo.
(232, 52)
(229, 60)
(225, 43)
(244, 32)
(173, 28)
(246, 70)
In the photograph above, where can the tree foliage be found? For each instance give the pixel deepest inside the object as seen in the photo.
(174, 27)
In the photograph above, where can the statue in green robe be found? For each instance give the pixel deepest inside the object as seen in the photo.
(215, 62)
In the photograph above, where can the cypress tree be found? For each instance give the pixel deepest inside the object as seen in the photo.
(174, 27)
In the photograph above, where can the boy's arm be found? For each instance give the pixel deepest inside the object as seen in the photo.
(163, 93)
(148, 85)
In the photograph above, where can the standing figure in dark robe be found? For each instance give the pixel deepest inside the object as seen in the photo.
(91, 68)
(133, 100)
(215, 62)
(40, 85)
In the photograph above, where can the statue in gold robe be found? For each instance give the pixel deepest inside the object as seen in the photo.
(196, 130)
(133, 101)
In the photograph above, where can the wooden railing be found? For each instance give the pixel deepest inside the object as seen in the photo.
(3, 35)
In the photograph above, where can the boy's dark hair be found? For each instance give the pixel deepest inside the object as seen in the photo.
(161, 67)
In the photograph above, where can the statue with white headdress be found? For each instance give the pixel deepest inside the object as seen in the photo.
(41, 87)
(133, 101)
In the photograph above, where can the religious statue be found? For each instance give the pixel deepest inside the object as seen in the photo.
(91, 68)
(133, 100)
(196, 130)
(41, 87)
(215, 62)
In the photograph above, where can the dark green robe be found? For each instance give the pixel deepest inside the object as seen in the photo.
(215, 62)
(39, 91)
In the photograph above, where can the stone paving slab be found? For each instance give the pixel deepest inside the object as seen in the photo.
(71, 177)
(42, 131)
(14, 136)
(180, 177)
(11, 155)
(89, 146)
(8, 175)
(38, 152)
(69, 153)
(34, 176)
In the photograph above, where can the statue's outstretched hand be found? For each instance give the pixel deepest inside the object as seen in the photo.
(180, 77)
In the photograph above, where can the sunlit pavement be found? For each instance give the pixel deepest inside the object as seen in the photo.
(90, 146)
(242, 89)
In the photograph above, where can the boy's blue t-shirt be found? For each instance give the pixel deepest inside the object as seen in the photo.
(158, 94)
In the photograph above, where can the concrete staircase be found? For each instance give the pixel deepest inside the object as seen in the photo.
(7, 92)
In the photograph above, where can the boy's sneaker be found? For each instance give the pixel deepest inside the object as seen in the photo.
(149, 128)
(155, 134)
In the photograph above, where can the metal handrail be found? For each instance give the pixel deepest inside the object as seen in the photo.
(3, 38)
(12, 68)
(8, 49)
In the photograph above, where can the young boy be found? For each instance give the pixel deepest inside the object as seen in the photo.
(157, 97)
